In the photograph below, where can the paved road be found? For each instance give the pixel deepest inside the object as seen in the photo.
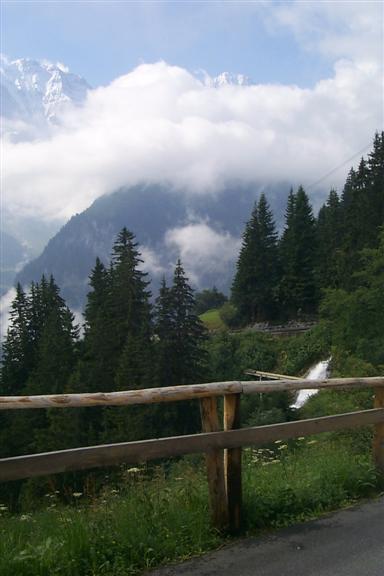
(348, 543)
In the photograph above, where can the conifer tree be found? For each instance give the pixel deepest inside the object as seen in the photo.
(180, 352)
(17, 348)
(96, 367)
(298, 290)
(94, 372)
(376, 185)
(188, 331)
(363, 210)
(55, 361)
(129, 308)
(164, 329)
(129, 330)
(39, 358)
(329, 239)
(254, 289)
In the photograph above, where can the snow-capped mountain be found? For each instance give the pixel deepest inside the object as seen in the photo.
(223, 79)
(226, 79)
(37, 92)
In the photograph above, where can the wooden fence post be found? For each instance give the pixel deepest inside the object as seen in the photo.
(378, 438)
(232, 463)
(215, 466)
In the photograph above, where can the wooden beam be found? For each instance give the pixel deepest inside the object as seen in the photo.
(270, 375)
(378, 438)
(175, 393)
(253, 387)
(233, 463)
(143, 451)
(215, 466)
(124, 398)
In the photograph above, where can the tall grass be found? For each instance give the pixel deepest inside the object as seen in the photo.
(154, 519)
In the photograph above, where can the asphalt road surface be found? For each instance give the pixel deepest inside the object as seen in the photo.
(347, 543)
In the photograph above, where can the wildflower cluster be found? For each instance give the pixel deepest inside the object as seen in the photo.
(276, 454)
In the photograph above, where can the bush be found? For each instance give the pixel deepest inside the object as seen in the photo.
(229, 315)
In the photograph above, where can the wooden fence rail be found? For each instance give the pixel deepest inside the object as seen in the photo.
(222, 447)
(175, 393)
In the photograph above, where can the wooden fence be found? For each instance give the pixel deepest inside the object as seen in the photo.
(221, 444)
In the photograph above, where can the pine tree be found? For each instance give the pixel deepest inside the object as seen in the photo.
(164, 329)
(128, 328)
(329, 239)
(180, 352)
(39, 358)
(128, 305)
(298, 291)
(55, 362)
(188, 331)
(255, 285)
(17, 348)
(376, 185)
(363, 210)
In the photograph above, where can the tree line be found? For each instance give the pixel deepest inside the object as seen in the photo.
(128, 343)
(284, 278)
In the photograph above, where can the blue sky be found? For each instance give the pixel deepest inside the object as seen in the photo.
(103, 40)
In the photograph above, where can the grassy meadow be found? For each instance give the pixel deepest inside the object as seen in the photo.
(153, 516)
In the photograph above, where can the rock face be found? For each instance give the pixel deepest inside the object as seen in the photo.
(37, 92)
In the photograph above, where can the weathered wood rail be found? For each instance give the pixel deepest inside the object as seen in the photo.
(222, 447)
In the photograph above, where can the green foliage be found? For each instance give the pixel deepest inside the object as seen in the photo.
(208, 299)
(294, 482)
(329, 231)
(254, 286)
(298, 251)
(355, 319)
(39, 357)
(229, 315)
(298, 353)
(180, 351)
(145, 521)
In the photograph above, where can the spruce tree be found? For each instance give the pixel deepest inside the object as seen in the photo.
(39, 358)
(93, 372)
(189, 332)
(363, 210)
(329, 239)
(55, 362)
(17, 348)
(129, 308)
(376, 185)
(128, 328)
(298, 247)
(180, 351)
(164, 329)
(254, 289)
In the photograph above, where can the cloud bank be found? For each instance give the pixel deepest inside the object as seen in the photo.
(159, 123)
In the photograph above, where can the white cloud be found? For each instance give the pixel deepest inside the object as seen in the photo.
(160, 123)
(151, 262)
(350, 29)
(202, 249)
(5, 307)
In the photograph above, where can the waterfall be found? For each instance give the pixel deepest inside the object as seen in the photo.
(317, 372)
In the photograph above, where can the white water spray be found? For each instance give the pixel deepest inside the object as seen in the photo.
(317, 372)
